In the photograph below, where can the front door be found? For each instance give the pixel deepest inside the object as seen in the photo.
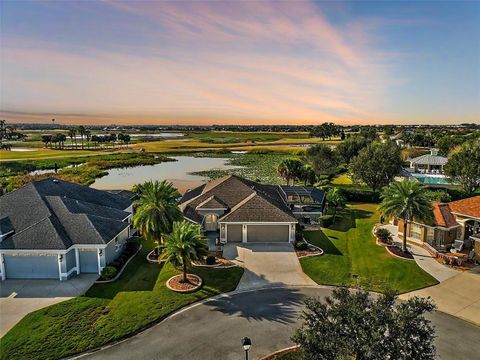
(211, 222)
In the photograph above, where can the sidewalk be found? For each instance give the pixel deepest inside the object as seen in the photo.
(424, 259)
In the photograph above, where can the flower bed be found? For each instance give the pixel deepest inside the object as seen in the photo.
(176, 284)
(306, 249)
(220, 263)
(396, 251)
(113, 270)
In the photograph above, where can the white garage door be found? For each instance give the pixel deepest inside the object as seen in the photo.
(31, 267)
(267, 233)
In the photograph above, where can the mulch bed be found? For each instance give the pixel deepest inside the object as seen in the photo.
(175, 283)
(399, 252)
(276, 354)
(311, 251)
(219, 262)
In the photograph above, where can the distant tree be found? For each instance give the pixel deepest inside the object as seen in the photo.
(388, 130)
(125, 138)
(448, 142)
(113, 138)
(72, 133)
(88, 135)
(307, 175)
(323, 159)
(463, 166)
(355, 325)
(336, 201)
(290, 169)
(61, 139)
(406, 200)
(81, 131)
(377, 164)
(326, 130)
(368, 132)
(46, 139)
(349, 148)
(186, 243)
(342, 135)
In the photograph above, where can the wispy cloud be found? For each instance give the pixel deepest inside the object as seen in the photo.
(259, 61)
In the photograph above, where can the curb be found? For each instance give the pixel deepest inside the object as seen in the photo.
(280, 352)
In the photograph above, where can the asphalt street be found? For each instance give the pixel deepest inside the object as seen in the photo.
(214, 329)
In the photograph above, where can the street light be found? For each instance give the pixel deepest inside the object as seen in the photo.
(247, 344)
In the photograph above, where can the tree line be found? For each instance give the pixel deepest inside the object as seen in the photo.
(87, 140)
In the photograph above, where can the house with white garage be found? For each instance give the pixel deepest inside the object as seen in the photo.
(57, 229)
(240, 210)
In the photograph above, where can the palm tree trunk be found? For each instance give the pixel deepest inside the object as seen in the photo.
(184, 266)
(404, 243)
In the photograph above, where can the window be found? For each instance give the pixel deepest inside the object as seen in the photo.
(117, 245)
(415, 231)
(430, 235)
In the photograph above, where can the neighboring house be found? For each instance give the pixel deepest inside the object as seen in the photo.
(241, 210)
(429, 163)
(56, 229)
(456, 220)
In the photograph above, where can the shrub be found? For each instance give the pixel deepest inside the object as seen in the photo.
(210, 260)
(109, 272)
(301, 245)
(384, 235)
(359, 195)
(116, 264)
(326, 221)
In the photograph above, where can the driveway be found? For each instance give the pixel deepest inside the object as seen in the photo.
(267, 264)
(214, 329)
(458, 295)
(20, 297)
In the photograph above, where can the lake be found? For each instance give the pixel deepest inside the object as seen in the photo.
(178, 172)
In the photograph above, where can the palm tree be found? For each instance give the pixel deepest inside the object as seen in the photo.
(88, 135)
(185, 244)
(407, 200)
(81, 131)
(336, 200)
(72, 133)
(156, 210)
(290, 169)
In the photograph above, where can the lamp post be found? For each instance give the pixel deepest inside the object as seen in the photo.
(247, 344)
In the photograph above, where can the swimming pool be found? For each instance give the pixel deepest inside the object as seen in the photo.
(437, 180)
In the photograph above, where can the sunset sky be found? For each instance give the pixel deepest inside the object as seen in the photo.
(290, 62)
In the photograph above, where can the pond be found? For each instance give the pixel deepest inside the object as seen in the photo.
(178, 172)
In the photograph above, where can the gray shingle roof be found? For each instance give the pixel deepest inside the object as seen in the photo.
(233, 191)
(212, 203)
(429, 159)
(50, 214)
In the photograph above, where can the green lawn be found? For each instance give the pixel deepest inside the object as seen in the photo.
(108, 311)
(350, 249)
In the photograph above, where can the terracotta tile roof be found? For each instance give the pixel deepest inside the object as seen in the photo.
(469, 206)
(444, 212)
(442, 215)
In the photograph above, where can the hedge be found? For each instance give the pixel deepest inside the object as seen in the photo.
(326, 221)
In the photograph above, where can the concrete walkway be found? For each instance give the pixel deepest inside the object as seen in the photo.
(267, 264)
(21, 297)
(424, 259)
